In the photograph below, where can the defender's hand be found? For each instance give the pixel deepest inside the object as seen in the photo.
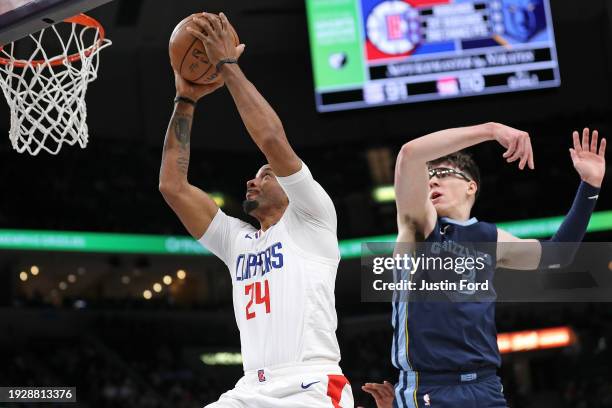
(517, 143)
(216, 37)
(588, 161)
(193, 91)
(383, 393)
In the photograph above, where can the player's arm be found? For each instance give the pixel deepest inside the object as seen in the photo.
(411, 178)
(193, 206)
(517, 253)
(559, 251)
(262, 123)
(383, 394)
(416, 215)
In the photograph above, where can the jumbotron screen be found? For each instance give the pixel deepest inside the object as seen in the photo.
(380, 52)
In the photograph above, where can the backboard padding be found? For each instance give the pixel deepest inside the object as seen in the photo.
(32, 16)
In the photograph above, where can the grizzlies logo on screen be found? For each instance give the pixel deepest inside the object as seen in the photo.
(524, 18)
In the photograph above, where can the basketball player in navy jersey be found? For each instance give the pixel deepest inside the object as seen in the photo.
(447, 352)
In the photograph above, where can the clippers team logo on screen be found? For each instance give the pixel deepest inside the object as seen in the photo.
(392, 30)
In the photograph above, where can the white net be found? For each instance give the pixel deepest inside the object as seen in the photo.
(46, 95)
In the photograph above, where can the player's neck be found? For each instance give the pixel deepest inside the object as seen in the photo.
(458, 214)
(267, 221)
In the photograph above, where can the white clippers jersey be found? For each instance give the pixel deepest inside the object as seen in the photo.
(283, 278)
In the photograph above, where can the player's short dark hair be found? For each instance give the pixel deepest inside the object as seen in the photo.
(464, 162)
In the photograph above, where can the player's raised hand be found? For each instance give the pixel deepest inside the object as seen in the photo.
(383, 393)
(589, 161)
(517, 143)
(193, 91)
(217, 37)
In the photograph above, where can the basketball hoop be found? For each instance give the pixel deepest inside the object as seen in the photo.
(46, 94)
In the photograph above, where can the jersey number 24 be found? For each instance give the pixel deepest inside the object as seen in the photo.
(254, 290)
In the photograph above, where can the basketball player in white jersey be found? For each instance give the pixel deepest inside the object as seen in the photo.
(283, 273)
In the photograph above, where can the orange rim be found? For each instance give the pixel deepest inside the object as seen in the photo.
(80, 19)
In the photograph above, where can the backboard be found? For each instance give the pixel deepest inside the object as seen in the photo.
(18, 18)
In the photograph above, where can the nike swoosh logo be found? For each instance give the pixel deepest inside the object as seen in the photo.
(304, 387)
(595, 197)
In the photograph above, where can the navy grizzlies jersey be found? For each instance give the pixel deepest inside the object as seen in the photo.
(451, 334)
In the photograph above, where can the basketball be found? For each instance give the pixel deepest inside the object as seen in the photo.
(188, 55)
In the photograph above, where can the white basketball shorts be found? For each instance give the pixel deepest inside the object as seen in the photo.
(297, 386)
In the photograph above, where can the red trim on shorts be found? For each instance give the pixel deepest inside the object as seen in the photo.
(335, 386)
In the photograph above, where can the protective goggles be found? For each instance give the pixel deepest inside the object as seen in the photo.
(441, 172)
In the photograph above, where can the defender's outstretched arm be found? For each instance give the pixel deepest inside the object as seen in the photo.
(414, 208)
(590, 164)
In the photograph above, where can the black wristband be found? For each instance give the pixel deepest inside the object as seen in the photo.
(185, 100)
(226, 61)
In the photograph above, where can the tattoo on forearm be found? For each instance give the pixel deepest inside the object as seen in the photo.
(182, 130)
(181, 125)
(183, 163)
